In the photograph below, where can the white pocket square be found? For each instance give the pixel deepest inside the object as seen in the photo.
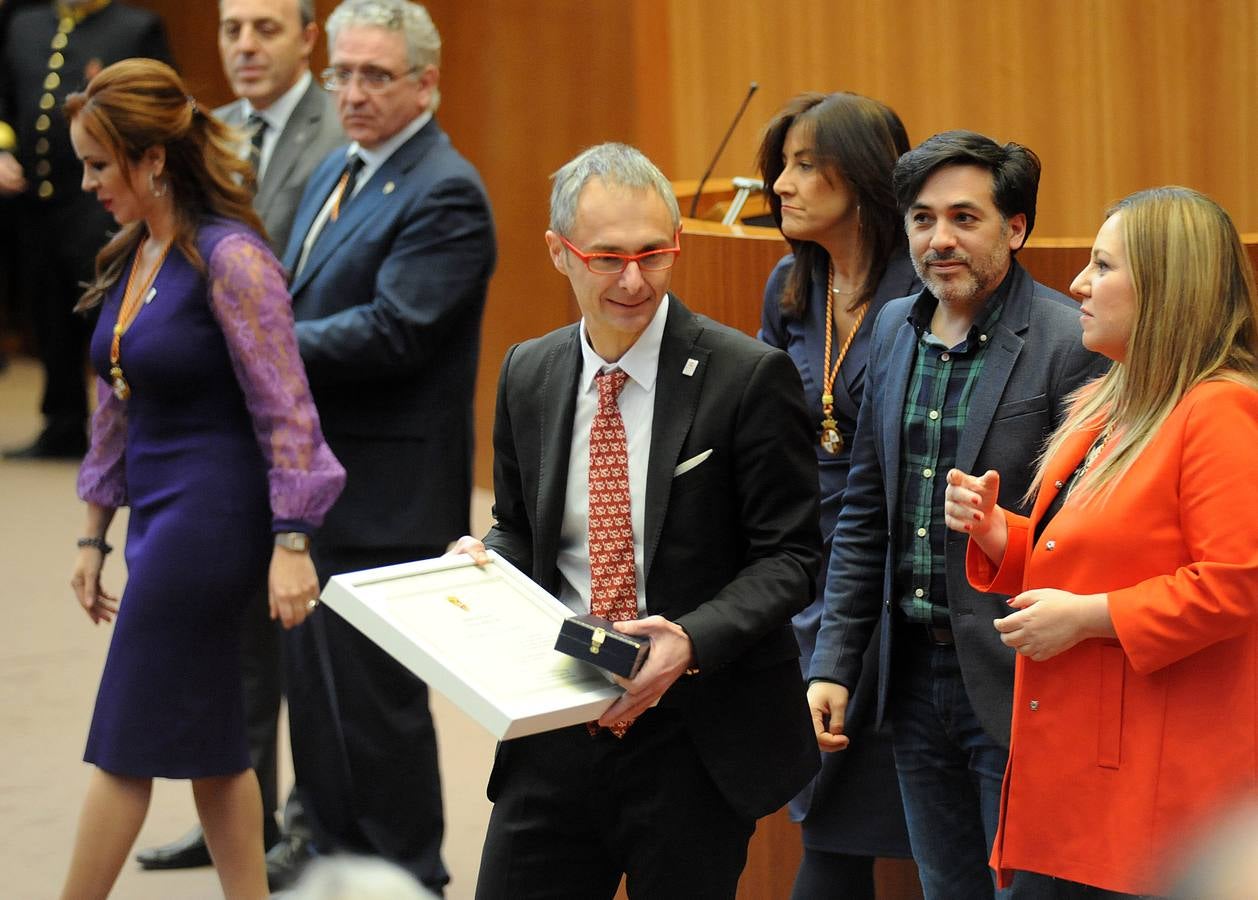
(691, 463)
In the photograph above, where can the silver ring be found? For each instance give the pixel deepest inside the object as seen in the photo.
(311, 604)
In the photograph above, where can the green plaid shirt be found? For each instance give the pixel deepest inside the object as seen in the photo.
(935, 408)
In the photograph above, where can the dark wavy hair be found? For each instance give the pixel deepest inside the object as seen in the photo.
(141, 103)
(856, 141)
(1015, 171)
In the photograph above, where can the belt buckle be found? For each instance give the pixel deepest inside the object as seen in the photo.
(939, 635)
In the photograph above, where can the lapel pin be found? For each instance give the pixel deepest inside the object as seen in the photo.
(689, 368)
(148, 298)
(388, 188)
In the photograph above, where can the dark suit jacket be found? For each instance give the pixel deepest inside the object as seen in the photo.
(388, 310)
(310, 133)
(730, 546)
(1035, 359)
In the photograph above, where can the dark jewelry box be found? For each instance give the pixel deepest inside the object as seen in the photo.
(592, 639)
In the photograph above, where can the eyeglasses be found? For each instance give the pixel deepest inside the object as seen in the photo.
(372, 80)
(615, 263)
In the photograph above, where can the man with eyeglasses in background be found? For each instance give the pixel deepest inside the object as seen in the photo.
(391, 253)
(655, 468)
(290, 123)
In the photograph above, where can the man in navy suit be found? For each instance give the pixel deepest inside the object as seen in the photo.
(292, 125)
(391, 253)
(971, 372)
(717, 548)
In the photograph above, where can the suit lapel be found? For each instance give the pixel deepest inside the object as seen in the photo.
(365, 206)
(898, 368)
(898, 281)
(676, 401)
(301, 128)
(556, 410)
(1002, 354)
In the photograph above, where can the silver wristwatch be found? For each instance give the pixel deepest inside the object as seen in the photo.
(293, 540)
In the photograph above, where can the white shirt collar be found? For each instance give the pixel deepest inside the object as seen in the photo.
(278, 113)
(377, 156)
(641, 362)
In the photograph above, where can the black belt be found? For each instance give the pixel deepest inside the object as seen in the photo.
(934, 635)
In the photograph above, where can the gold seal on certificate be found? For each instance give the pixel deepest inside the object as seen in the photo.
(483, 636)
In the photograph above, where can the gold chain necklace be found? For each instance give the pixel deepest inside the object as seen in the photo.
(831, 440)
(127, 311)
(1093, 452)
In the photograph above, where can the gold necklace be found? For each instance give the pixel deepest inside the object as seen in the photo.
(1093, 452)
(127, 311)
(831, 440)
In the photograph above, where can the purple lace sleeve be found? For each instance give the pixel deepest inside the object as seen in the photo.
(251, 302)
(103, 474)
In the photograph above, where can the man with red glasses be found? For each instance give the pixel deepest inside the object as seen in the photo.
(656, 468)
(391, 252)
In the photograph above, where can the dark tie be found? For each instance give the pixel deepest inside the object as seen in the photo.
(613, 582)
(257, 131)
(344, 191)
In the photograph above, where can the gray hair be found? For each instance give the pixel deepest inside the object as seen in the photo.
(305, 11)
(614, 164)
(423, 42)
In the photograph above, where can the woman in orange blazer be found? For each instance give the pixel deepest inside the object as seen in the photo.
(1136, 692)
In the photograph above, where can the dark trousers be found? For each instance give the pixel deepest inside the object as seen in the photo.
(574, 811)
(835, 876)
(950, 772)
(364, 746)
(59, 243)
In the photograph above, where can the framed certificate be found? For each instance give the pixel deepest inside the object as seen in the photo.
(483, 636)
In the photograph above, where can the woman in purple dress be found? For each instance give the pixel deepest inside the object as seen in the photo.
(206, 430)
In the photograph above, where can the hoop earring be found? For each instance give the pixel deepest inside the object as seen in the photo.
(153, 187)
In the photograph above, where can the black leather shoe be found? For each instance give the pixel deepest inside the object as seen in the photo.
(52, 443)
(286, 860)
(189, 852)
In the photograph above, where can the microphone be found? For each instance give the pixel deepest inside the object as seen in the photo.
(694, 201)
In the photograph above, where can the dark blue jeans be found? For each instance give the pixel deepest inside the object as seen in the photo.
(950, 771)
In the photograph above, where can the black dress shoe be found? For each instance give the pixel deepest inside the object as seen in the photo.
(286, 860)
(53, 443)
(189, 852)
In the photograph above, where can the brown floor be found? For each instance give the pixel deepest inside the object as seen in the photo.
(50, 660)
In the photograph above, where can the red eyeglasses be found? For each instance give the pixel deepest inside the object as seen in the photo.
(615, 263)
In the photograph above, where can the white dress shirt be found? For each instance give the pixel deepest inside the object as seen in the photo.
(372, 159)
(276, 117)
(637, 408)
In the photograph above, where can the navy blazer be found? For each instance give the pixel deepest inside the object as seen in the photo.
(388, 309)
(730, 546)
(1035, 359)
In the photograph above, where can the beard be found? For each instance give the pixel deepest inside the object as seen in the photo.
(975, 282)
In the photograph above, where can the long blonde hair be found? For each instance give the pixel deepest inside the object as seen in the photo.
(136, 104)
(1196, 320)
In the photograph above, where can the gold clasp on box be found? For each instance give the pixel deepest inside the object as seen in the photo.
(596, 641)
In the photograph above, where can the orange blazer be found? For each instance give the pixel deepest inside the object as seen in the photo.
(1122, 750)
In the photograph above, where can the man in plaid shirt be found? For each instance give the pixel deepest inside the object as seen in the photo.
(973, 372)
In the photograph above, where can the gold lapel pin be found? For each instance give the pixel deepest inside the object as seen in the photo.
(388, 188)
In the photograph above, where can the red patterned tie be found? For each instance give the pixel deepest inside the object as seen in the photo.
(613, 584)
(613, 589)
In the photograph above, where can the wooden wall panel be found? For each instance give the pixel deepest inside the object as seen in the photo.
(1114, 95)
(193, 31)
